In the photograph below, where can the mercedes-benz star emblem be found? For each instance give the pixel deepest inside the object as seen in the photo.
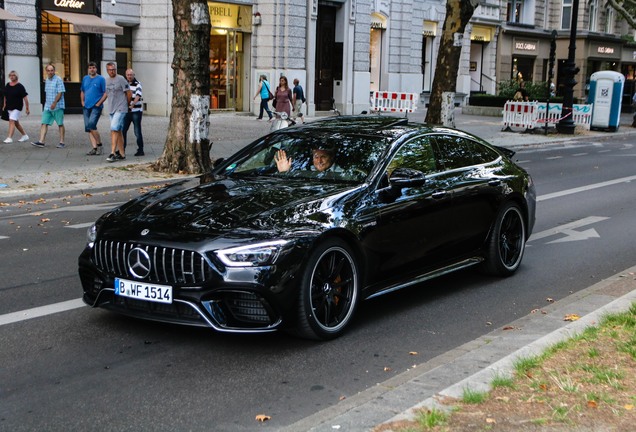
(139, 263)
(145, 231)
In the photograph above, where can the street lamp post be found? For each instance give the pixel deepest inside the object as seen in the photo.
(566, 124)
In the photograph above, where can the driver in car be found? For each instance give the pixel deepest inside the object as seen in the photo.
(323, 160)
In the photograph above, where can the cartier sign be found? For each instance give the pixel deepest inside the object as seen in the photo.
(75, 6)
(71, 4)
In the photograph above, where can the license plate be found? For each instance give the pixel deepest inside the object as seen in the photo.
(143, 291)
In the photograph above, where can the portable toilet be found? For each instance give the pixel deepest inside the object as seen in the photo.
(606, 93)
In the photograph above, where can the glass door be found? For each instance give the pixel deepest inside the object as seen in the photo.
(226, 51)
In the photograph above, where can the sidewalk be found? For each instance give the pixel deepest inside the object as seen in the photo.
(27, 171)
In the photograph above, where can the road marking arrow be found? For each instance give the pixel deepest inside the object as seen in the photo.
(569, 228)
(576, 235)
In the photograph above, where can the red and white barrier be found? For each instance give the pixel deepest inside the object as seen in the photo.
(519, 115)
(384, 101)
(530, 115)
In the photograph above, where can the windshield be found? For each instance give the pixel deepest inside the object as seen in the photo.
(330, 157)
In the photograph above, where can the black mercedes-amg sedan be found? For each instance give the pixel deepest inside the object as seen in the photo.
(294, 230)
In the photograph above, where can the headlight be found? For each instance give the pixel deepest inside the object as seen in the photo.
(253, 255)
(91, 235)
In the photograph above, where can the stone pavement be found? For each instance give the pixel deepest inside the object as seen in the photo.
(27, 172)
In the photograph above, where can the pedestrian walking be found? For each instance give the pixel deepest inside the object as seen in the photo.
(119, 97)
(135, 112)
(54, 106)
(15, 99)
(266, 94)
(92, 96)
(283, 96)
(298, 99)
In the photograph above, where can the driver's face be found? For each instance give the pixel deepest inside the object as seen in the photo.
(322, 160)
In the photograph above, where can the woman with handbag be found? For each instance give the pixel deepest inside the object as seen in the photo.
(266, 94)
(15, 98)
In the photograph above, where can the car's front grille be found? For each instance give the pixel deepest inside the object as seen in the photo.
(167, 265)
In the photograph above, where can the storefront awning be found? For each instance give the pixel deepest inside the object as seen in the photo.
(8, 16)
(86, 23)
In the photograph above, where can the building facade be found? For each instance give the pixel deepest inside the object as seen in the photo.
(339, 49)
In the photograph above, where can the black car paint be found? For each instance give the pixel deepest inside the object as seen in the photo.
(395, 233)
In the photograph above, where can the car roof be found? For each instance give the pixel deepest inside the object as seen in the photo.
(362, 125)
(372, 125)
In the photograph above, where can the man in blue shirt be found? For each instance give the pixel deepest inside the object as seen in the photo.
(93, 95)
(53, 106)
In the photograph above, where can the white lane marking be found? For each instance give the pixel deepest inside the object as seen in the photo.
(585, 188)
(580, 154)
(79, 208)
(78, 226)
(40, 311)
(567, 228)
(554, 157)
(3, 237)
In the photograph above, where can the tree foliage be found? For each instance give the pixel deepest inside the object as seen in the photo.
(625, 8)
(187, 147)
(458, 14)
(536, 90)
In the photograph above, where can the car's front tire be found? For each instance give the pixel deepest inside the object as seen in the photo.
(507, 242)
(328, 291)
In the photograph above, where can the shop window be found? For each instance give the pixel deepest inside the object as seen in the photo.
(61, 47)
(226, 65)
(522, 68)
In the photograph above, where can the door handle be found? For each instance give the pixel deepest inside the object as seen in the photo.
(494, 182)
(439, 194)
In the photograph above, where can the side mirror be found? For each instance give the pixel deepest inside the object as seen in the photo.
(406, 177)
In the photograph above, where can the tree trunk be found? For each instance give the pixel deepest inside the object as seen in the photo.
(187, 147)
(458, 14)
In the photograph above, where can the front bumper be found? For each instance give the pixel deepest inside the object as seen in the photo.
(245, 300)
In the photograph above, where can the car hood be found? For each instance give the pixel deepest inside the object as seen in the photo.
(232, 206)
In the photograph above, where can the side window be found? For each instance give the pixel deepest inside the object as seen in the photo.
(458, 152)
(416, 154)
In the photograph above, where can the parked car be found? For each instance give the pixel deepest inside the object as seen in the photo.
(294, 230)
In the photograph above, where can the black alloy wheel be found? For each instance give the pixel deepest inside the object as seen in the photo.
(507, 242)
(328, 292)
